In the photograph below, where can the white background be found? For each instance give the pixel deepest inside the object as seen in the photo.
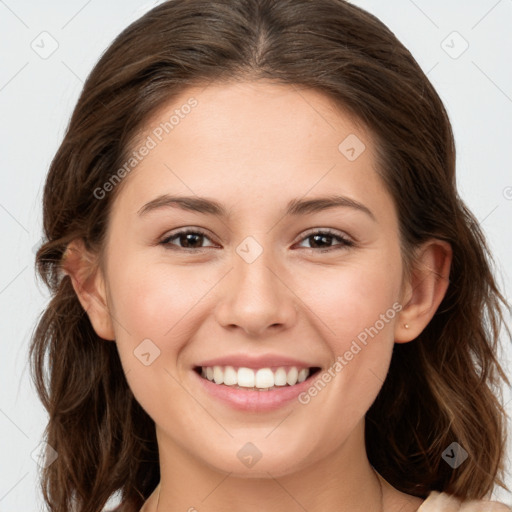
(36, 99)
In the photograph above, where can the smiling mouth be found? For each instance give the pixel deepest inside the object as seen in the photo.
(260, 379)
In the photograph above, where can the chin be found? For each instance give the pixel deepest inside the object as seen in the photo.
(262, 465)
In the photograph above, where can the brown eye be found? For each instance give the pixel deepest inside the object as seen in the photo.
(324, 239)
(188, 239)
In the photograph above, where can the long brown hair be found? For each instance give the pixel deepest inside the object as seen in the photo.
(441, 388)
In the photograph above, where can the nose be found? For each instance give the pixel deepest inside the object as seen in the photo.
(256, 298)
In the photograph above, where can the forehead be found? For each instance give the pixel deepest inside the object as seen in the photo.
(246, 142)
(277, 115)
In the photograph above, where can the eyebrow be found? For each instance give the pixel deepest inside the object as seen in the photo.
(294, 207)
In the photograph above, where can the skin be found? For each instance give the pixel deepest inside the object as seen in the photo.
(239, 146)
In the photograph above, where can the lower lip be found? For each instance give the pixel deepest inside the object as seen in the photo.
(255, 401)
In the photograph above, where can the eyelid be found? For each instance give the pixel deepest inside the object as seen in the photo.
(345, 239)
(186, 230)
(327, 231)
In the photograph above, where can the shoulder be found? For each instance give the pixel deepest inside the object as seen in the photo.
(443, 502)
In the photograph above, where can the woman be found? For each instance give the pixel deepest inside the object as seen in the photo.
(201, 356)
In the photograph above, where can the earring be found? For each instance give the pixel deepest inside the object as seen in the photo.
(406, 326)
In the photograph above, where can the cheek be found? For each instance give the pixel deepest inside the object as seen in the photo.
(161, 302)
(152, 300)
(357, 306)
(350, 299)
(153, 306)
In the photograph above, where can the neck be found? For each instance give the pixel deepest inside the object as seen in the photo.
(340, 481)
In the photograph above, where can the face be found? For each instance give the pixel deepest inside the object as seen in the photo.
(268, 278)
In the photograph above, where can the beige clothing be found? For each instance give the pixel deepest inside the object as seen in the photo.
(442, 502)
(436, 502)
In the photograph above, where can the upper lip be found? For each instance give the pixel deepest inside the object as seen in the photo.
(263, 361)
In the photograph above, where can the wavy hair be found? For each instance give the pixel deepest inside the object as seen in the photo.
(450, 388)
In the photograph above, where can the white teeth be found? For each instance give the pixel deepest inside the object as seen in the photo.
(280, 377)
(263, 378)
(230, 376)
(218, 375)
(292, 376)
(245, 377)
(303, 374)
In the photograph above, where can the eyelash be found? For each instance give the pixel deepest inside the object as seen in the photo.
(345, 242)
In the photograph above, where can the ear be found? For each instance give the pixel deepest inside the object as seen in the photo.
(89, 285)
(424, 289)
